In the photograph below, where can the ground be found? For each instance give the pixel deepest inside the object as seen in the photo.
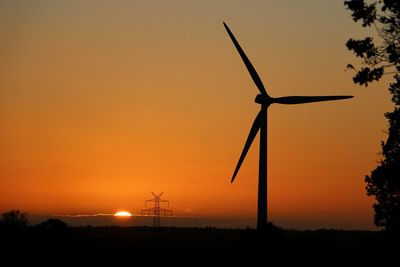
(134, 246)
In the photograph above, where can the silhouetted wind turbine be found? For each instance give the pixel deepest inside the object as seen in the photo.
(261, 123)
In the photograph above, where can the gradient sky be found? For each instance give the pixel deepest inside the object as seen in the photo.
(102, 102)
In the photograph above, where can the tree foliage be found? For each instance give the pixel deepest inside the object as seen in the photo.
(14, 218)
(380, 57)
(377, 56)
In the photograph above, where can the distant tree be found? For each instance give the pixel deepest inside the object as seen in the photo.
(382, 57)
(14, 218)
(53, 224)
(54, 228)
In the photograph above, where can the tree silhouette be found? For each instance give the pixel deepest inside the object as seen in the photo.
(53, 224)
(379, 58)
(14, 218)
(53, 229)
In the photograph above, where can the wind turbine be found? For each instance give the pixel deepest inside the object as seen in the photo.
(260, 123)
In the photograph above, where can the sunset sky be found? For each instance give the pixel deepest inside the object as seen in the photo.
(102, 102)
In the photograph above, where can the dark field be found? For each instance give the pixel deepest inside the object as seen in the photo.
(136, 246)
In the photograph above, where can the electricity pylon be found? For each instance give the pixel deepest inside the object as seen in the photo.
(156, 211)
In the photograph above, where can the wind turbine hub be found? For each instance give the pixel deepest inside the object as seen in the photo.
(263, 99)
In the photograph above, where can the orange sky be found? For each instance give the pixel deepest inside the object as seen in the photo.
(102, 102)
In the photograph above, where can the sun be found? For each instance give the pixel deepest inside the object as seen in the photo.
(122, 214)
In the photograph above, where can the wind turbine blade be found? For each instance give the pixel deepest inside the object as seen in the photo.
(253, 132)
(290, 100)
(249, 66)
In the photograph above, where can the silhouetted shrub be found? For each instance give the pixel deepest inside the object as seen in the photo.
(54, 227)
(14, 218)
(55, 224)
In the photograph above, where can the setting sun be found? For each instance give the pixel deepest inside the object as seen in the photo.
(123, 214)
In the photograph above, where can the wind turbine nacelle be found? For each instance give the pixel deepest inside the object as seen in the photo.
(263, 99)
